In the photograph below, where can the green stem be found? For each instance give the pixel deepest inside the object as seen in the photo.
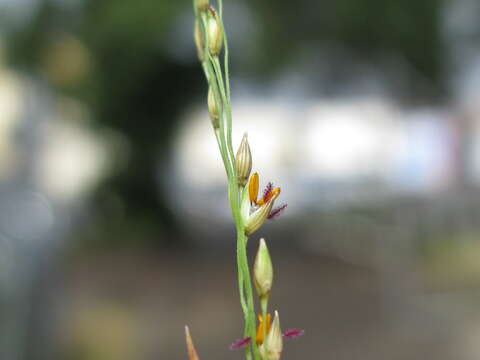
(226, 100)
(220, 84)
(264, 306)
(224, 158)
(241, 286)
(219, 93)
(250, 326)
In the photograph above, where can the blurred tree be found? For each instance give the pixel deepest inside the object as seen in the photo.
(132, 83)
(369, 29)
(133, 86)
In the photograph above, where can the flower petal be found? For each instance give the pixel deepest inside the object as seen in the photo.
(258, 218)
(241, 343)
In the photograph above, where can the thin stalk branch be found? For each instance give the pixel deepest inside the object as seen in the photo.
(219, 81)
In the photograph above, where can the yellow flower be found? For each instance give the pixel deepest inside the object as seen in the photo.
(271, 346)
(256, 211)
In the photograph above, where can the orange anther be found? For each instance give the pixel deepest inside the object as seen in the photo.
(271, 195)
(253, 188)
(260, 338)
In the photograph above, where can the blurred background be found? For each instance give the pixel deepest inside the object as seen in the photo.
(114, 223)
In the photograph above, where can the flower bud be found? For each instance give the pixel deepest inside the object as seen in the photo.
(273, 346)
(213, 109)
(201, 5)
(263, 270)
(243, 161)
(214, 33)
(199, 41)
(192, 353)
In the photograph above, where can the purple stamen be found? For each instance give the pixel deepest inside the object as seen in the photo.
(276, 211)
(293, 333)
(241, 343)
(268, 190)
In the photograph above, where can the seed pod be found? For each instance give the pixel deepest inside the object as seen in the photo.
(243, 161)
(213, 109)
(201, 5)
(214, 33)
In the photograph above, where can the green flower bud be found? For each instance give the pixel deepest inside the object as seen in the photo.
(273, 345)
(243, 161)
(199, 41)
(201, 5)
(214, 33)
(263, 270)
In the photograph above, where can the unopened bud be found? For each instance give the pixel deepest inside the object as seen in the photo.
(213, 109)
(192, 353)
(214, 33)
(273, 346)
(199, 41)
(263, 270)
(243, 161)
(201, 5)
